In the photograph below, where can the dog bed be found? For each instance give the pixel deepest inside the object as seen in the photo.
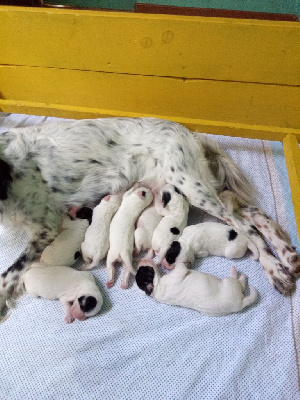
(137, 348)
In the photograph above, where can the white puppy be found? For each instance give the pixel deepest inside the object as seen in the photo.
(193, 289)
(65, 249)
(146, 225)
(121, 235)
(96, 241)
(207, 238)
(175, 211)
(76, 290)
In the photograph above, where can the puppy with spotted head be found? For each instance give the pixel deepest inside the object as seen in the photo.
(197, 290)
(76, 290)
(96, 240)
(65, 249)
(175, 209)
(208, 238)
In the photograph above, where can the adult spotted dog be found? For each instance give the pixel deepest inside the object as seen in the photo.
(47, 169)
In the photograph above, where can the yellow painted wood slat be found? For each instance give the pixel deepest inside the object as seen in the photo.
(199, 125)
(161, 45)
(292, 158)
(246, 105)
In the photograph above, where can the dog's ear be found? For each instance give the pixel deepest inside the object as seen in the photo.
(144, 279)
(5, 179)
(173, 252)
(166, 197)
(87, 303)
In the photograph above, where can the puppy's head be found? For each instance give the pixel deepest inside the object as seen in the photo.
(171, 193)
(145, 276)
(86, 306)
(141, 197)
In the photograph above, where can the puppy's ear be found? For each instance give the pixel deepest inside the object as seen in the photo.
(87, 303)
(85, 213)
(144, 279)
(166, 197)
(173, 252)
(5, 179)
(141, 194)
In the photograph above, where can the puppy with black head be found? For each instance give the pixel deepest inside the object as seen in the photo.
(197, 290)
(76, 290)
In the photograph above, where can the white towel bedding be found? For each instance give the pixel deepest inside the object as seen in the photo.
(137, 348)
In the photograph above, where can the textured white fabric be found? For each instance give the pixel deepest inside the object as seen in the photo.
(137, 348)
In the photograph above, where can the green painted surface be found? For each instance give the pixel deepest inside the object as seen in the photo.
(272, 6)
(111, 4)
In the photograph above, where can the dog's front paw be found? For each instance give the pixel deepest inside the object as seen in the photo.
(282, 280)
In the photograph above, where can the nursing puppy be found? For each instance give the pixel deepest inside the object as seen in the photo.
(208, 238)
(175, 211)
(200, 291)
(145, 227)
(96, 240)
(65, 249)
(76, 290)
(121, 234)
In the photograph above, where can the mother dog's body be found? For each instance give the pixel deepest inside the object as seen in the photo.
(58, 165)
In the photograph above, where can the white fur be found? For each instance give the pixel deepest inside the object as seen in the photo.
(121, 235)
(96, 241)
(62, 250)
(65, 284)
(146, 225)
(202, 292)
(175, 215)
(212, 238)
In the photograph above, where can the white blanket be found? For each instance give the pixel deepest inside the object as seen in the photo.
(137, 348)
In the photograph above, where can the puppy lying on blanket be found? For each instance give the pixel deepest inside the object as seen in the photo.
(121, 234)
(65, 249)
(175, 210)
(96, 241)
(193, 289)
(76, 290)
(206, 238)
(100, 156)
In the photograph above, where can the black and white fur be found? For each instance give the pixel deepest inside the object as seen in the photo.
(200, 291)
(49, 168)
(76, 290)
(208, 238)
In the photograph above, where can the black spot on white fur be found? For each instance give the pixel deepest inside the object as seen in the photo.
(166, 197)
(175, 231)
(173, 252)
(232, 234)
(87, 303)
(144, 279)
(85, 213)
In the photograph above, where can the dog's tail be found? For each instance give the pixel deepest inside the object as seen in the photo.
(227, 174)
(250, 299)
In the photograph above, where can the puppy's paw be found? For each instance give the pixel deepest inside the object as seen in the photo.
(109, 284)
(69, 319)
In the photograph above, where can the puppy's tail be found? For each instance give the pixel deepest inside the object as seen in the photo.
(250, 299)
(227, 174)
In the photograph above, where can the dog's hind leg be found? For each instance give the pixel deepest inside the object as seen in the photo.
(201, 195)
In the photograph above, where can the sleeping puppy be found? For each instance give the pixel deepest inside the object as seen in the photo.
(175, 211)
(121, 235)
(206, 238)
(65, 249)
(96, 241)
(76, 290)
(196, 290)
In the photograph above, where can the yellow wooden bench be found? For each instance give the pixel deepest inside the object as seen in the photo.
(223, 76)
